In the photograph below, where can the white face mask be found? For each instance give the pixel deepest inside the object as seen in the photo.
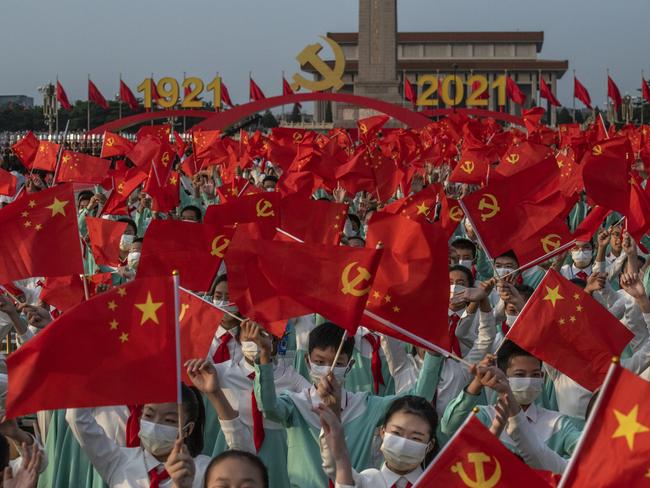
(501, 272)
(316, 372)
(581, 258)
(526, 390)
(156, 438)
(249, 350)
(466, 262)
(125, 242)
(133, 259)
(402, 454)
(226, 305)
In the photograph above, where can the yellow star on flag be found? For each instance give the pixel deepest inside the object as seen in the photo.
(112, 305)
(114, 323)
(387, 298)
(58, 207)
(629, 426)
(148, 310)
(121, 292)
(124, 337)
(31, 204)
(553, 295)
(422, 209)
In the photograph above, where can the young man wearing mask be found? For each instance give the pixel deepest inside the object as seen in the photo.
(582, 256)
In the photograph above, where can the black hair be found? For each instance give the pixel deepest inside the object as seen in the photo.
(244, 456)
(355, 219)
(329, 335)
(130, 222)
(463, 243)
(463, 269)
(4, 452)
(86, 194)
(509, 254)
(272, 178)
(195, 411)
(524, 290)
(195, 209)
(137, 239)
(416, 405)
(508, 351)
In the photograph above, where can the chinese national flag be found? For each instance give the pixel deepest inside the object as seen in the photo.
(197, 256)
(263, 209)
(159, 132)
(62, 97)
(514, 92)
(409, 285)
(144, 152)
(40, 235)
(104, 238)
(616, 446)
(127, 96)
(127, 332)
(312, 221)
(545, 92)
(303, 183)
(82, 168)
(420, 206)
(274, 280)
(565, 327)
(474, 453)
(605, 172)
(236, 188)
(409, 91)
(370, 127)
(66, 292)
(581, 93)
(95, 96)
(614, 93)
(123, 186)
(255, 92)
(638, 214)
(225, 95)
(7, 183)
(645, 90)
(165, 196)
(26, 149)
(45, 158)
(207, 144)
(199, 321)
(115, 145)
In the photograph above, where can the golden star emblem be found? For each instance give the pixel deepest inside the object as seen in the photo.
(387, 298)
(173, 180)
(124, 337)
(553, 295)
(25, 214)
(114, 323)
(576, 296)
(396, 309)
(376, 295)
(572, 318)
(28, 223)
(38, 227)
(112, 305)
(121, 292)
(149, 309)
(32, 203)
(58, 207)
(422, 209)
(629, 426)
(562, 321)
(579, 308)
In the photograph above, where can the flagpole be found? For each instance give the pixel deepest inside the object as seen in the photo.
(589, 423)
(58, 156)
(184, 118)
(574, 96)
(250, 77)
(88, 106)
(153, 102)
(642, 97)
(56, 104)
(607, 95)
(177, 333)
(120, 98)
(283, 91)
(338, 351)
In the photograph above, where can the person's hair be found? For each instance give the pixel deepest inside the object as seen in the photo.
(272, 178)
(4, 452)
(329, 335)
(525, 290)
(195, 411)
(509, 350)
(129, 222)
(464, 270)
(193, 208)
(416, 405)
(138, 239)
(83, 195)
(466, 244)
(509, 254)
(252, 459)
(358, 238)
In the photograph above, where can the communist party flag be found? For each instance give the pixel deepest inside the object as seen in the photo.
(95, 96)
(370, 127)
(605, 172)
(565, 327)
(199, 320)
(263, 209)
(255, 92)
(62, 96)
(115, 145)
(275, 280)
(82, 168)
(105, 238)
(312, 221)
(581, 93)
(127, 96)
(614, 93)
(514, 92)
(545, 92)
(123, 185)
(26, 149)
(616, 446)
(40, 235)
(475, 457)
(645, 90)
(126, 332)
(409, 91)
(144, 151)
(197, 256)
(7, 183)
(408, 284)
(521, 156)
(46, 155)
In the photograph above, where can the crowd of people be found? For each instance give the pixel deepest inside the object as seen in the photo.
(315, 407)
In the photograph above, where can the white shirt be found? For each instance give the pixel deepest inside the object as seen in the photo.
(234, 348)
(382, 478)
(570, 271)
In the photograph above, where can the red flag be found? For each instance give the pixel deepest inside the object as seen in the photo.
(263, 209)
(158, 132)
(581, 93)
(409, 91)
(287, 90)
(568, 329)
(476, 85)
(115, 145)
(144, 152)
(613, 93)
(66, 292)
(197, 256)
(473, 450)
(94, 95)
(124, 185)
(154, 92)
(46, 155)
(370, 127)
(62, 97)
(514, 92)
(420, 206)
(615, 447)
(127, 96)
(645, 90)
(105, 238)
(522, 156)
(312, 221)
(273, 280)
(255, 92)
(82, 168)
(40, 235)
(225, 95)
(208, 145)
(545, 92)
(7, 183)
(165, 195)
(638, 214)
(26, 149)
(108, 338)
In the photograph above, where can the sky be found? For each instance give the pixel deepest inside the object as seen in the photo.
(74, 38)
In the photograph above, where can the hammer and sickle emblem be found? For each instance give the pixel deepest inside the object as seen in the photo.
(456, 213)
(331, 77)
(120, 188)
(321, 142)
(165, 158)
(478, 459)
(467, 167)
(66, 158)
(219, 245)
(550, 242)
(363, 128)
(184, 308)
(297, 136)
(597, 150)
(110, 141)
(264, 208)
(513, 158)
(350, 287)
(490, 203)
